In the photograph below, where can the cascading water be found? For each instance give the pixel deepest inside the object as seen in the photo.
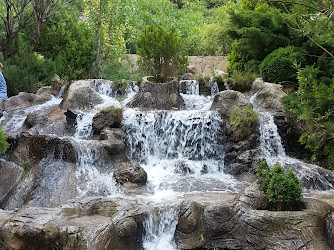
(271, 148)
(90, 179)
(160, 229)
(270, 141)
(13, 121)
(182, 152)
(193, 100)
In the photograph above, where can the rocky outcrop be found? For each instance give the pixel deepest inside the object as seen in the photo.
(112, 141)
(240, 152)
(226, 102)
(50, 120)
(31, 149)
(130, 174)
(107, 118)
(269, 95)
(81, 95)
(164, 96)
(263, 229)
(91, 223)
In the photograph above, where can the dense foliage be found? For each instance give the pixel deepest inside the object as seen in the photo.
(161, 53)
(282, 187)
(314, 102)
(281, 64)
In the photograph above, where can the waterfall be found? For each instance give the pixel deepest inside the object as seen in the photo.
(180, 150)
(91, 180)
(159, 230)
(193, 100)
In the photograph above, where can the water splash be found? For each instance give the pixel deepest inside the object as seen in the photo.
(159, 230)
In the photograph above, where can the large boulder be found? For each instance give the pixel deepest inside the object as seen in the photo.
(112, 141)
(25, 100)
(130, 174)
(107, 118)
(50, 120)
(81, 95)
(290, 128)
(269, 95)
(164, 96)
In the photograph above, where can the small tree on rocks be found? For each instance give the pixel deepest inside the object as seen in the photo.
(161, 53)
(283, 188)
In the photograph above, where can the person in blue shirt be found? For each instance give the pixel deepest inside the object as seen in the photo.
(3, 90)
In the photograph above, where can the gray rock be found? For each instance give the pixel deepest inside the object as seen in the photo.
(190, 216)
(130, 173)
(81, 95)
(290, 128)
(226, 102)
(269, 95)
(107, 118)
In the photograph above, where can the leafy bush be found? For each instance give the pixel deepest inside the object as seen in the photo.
(280, 65)
(243, 122)
(160, 53)
(314, 103)
(3, 141)
(283, 188)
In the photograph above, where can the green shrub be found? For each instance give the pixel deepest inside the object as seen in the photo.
(243, 122)
(242, 81)
(27, 71)
(160, 53)
(3, 141)
(282, 187)
(280, 65)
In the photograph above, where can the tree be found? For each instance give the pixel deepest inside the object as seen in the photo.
(44, 10)
(161, 52)
(15, 15)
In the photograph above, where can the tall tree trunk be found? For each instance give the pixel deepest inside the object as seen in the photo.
(35, 39)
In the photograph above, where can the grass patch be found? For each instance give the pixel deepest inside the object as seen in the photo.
(243, 122)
